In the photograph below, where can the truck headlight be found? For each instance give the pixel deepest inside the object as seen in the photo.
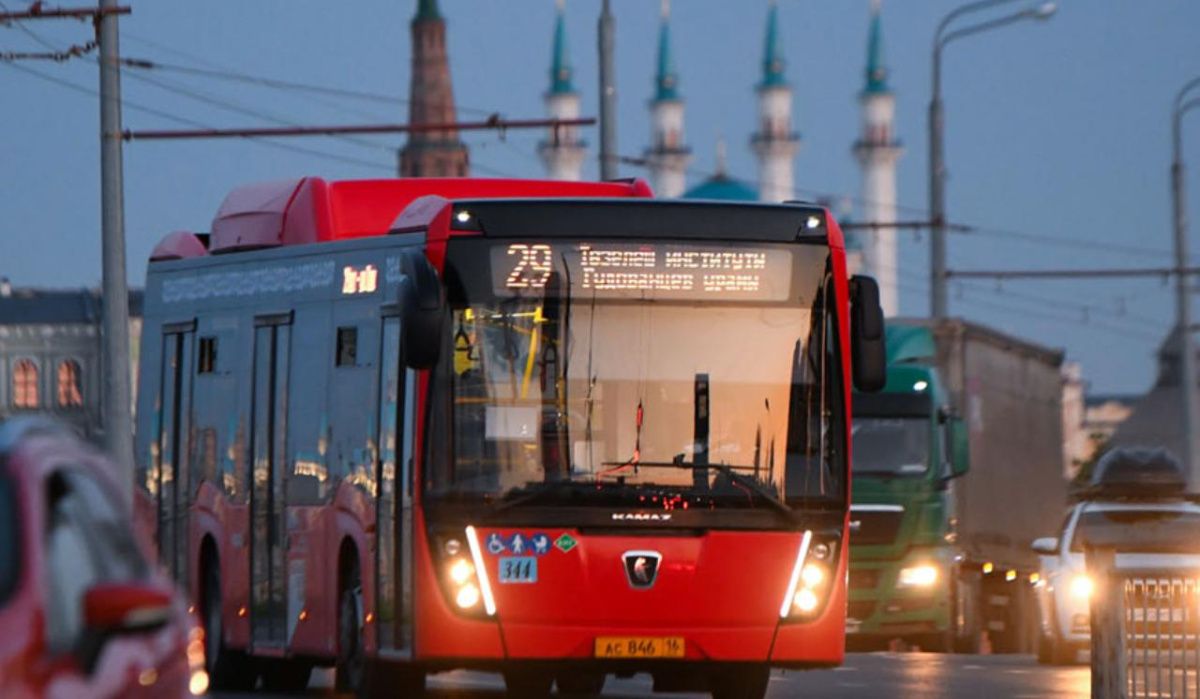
(1081, 586)
(922, 575)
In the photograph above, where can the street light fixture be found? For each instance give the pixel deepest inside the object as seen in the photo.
(1183, 313)
(937, 165)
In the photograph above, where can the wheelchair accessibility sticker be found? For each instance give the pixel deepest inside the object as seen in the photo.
(495, 544)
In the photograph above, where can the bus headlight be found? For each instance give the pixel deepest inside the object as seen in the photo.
(464, 575)
(811, 579)
(922, 575)
(1081, 586)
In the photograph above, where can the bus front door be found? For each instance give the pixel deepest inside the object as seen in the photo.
(268, 539)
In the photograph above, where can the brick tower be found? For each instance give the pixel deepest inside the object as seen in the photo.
(431, 101)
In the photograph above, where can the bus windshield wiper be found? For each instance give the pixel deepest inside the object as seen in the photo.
(730, 472)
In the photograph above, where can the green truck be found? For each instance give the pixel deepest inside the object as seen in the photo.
(958, 466)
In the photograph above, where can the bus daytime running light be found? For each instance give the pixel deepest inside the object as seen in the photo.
(794, 582)
(923, 575)
(1081, 586)
(485, 585)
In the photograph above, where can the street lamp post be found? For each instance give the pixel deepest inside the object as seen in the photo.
(1183, 311)
(937, 164)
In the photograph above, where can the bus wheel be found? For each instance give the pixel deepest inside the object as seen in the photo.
(583, 684)
(227, 669)
(523, 684)
(747, 683)
(351, 657)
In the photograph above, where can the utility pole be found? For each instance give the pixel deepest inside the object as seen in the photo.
(937, 198)
(118, 417)
(608, 95)
(1183, 311)
(116, 404)
(938, 305)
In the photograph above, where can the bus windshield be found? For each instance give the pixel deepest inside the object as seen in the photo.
(649, 374)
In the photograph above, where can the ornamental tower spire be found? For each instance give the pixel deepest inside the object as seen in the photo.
(431, 101)
(877, 151)
(563, 151)
(667, 155)
(775, 143)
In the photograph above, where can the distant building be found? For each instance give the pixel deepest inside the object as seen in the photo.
(1154, 419)
(563, 151)
(721, 185)
(431, 101)
(50, 361)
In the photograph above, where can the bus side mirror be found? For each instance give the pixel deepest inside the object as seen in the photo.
(424, 307)
(868, 353)
(960, 448)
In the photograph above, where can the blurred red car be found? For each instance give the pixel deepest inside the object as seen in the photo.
(83, 612)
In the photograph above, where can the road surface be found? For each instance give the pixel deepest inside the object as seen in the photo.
(864, 676)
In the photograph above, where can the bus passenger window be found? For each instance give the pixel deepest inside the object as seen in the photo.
(347, 346)
(207, 363)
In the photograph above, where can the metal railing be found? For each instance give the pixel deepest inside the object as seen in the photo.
(1145, 630)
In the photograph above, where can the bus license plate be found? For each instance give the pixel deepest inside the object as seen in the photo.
(518, 569)
(639, 647)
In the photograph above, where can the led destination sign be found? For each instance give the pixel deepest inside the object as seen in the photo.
(640, 270)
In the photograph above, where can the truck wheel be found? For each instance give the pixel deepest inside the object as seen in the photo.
(1045, 650)
(966, 608)
(938, 642)
(525, 684)
(227, 669)
(583, 684)
(750, 683)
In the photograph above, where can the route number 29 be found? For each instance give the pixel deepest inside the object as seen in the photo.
(533, 267)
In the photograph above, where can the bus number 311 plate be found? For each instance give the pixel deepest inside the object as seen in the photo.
(639, 647)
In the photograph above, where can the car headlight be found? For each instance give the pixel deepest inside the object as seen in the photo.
(1081, 586)
(811, 579)
(921, 575)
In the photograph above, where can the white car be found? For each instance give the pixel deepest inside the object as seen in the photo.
(1064, 587)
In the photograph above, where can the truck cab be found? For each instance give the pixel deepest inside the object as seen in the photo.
(907, 449)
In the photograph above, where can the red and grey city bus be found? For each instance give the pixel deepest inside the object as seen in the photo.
(553, 430)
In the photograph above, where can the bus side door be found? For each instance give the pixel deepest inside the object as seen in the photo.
(171, 482)
(268, 442)
(393, 549)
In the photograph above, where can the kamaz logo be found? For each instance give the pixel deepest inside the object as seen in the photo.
(640, 517)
